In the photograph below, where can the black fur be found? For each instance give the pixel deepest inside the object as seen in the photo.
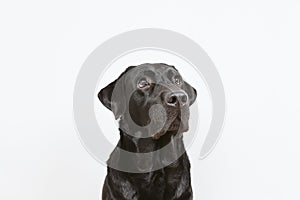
(172, 182)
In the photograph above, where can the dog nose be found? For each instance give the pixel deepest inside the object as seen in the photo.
(173, 98)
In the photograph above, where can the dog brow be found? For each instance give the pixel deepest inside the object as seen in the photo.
(171, 72)
(149, 73)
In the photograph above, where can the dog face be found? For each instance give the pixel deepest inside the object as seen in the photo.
(133, 96)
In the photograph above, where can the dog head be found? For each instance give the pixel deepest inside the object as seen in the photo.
(153, 94)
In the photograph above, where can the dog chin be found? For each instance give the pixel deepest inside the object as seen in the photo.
(174, 128)
(179, 125)
(178, 128)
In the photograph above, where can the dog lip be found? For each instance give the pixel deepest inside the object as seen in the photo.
(175, 125)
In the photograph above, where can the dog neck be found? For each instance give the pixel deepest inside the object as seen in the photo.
(134, 144)
(164, 151)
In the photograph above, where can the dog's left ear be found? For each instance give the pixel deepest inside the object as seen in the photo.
(192, 92)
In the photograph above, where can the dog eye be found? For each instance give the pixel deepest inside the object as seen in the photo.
(177, 80)
(143, 83)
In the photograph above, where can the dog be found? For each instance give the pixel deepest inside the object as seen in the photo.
(132, 98)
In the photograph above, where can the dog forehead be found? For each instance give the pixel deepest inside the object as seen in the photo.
(148, 69)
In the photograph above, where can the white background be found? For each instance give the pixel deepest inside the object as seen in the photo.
(254, 44)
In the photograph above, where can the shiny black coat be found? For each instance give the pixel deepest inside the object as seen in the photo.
(170, 183)
(173, 182)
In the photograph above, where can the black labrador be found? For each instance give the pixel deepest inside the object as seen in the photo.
(131, 98)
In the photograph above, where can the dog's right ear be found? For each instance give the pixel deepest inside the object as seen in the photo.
(105, 95)
(113, 96)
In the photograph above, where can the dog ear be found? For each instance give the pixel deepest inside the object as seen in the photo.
(113, 95)
(105, 95)
(192, 92)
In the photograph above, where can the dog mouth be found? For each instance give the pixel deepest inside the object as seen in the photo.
(178, 126)
(175, 125)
